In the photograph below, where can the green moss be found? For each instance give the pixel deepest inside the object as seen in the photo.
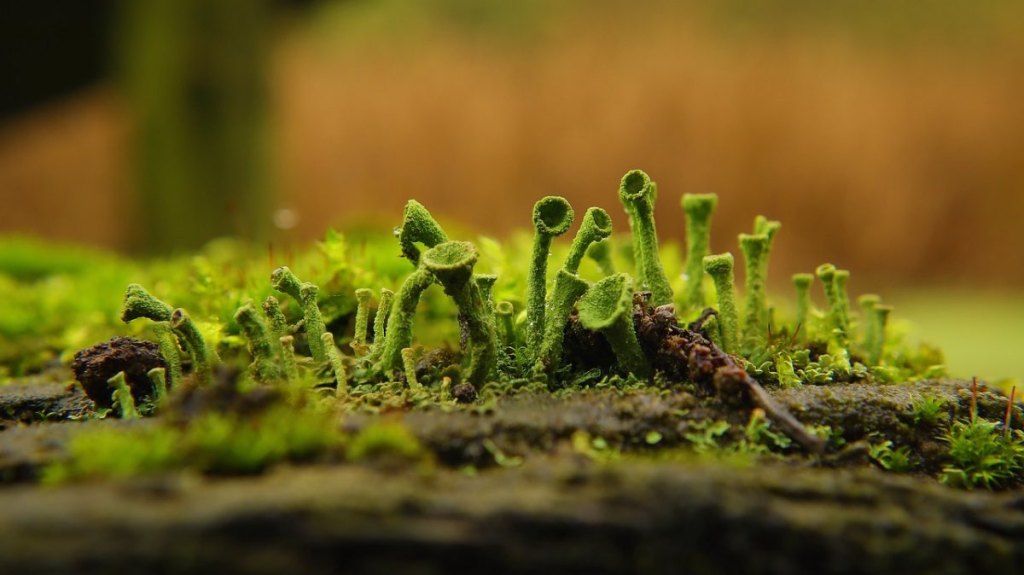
(385, 440)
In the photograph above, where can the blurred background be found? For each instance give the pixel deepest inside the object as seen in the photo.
(887, 136)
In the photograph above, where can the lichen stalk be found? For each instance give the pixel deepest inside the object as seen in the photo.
(398, 334)
(552, 216)
(277, 322)
(607, 307)
(567, 291)
(720, 268)
(504, 312)
(409, 368)
(418, 227)
(755, 314)
(122, 396)
(867, 304)
(363, 297)
(158, 375)
(595, 227)
(875, 353)
(305, 294)
(288, 361)
(170, 351)
(140, 303)
(769, 228)
(601, 253)
(840, 280)
(802, 282)
(698, 209)
(380, 321)
(265, 365)
(451, 263)
(203, 357)
(638, 193)
(337, 363)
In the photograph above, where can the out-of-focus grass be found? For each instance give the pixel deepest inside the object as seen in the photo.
(982, 334)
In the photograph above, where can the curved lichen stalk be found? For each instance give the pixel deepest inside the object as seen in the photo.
(418, 227)
(203, 356)
(380, 321)
(552, 216)
(567, 290)
(637, 193)
(596, 227)
(452, 264)
(398, 334)
(305, 294)
(265, 350)
(607, 307)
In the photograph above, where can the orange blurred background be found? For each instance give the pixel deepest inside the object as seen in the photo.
(888, 137)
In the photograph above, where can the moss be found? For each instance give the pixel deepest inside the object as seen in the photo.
(385, 440)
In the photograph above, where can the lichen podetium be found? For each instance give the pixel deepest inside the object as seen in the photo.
(637, 193)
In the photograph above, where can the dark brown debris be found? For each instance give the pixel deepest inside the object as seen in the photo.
(95, 365)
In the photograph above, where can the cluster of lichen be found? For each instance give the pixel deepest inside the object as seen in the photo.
(520, 336)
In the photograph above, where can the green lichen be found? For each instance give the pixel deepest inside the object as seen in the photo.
(552, 216)
(305, 294)
(363, 297)
(595, 228)
(418, 227)
(607, 307)
(720, 268)
(698, 209)
(637, 193)
(755, 316)
(567, 290)
(452, 264)
(802, 282)
(265, 351)
(122, 396)
(380, 321)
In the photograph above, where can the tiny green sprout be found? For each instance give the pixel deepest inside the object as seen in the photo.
(607, 307)
(169, 350)
(802, 282)
(784, 369)
(720, 268)
(552, 216)
(380, 322)
(867, 303)
(278, 323)
(264, 352)
(203, 356)
(409, 367)
(637, 193)
(601, 253)
(452, 264)
(122, 396)
(158, 375)
(418, 227)
(505, 312)
(567, 290)
(305, 294)
(698, 209)
(596, 227)
(363, 296)
(140, 303)
(288, 361)
(881, 313)
(398, 334)
(337, 363)
(755, 249)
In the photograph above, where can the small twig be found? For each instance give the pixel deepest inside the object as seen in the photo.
(789, 424)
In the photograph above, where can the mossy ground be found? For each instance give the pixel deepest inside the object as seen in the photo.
(582, 438)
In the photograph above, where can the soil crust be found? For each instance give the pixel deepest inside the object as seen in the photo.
(652, 509)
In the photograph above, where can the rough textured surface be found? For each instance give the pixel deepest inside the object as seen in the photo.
(535, 503)
(565, 516)
(40, 401)
(135, 357)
